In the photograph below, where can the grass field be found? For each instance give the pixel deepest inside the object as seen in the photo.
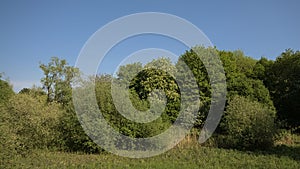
(182, 157)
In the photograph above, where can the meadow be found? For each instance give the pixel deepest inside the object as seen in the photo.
(184, 156)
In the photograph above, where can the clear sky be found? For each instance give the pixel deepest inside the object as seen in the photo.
(34, 31)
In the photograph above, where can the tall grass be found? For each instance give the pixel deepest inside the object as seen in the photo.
(186, 155)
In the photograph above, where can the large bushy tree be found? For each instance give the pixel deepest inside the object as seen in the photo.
(57, 80)
(47, 118)
(34, 122)
(5, 90)
(282, 77)
(239, 71)
(140, 81)
(248, 124)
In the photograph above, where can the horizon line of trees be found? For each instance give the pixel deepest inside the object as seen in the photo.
(262, 98)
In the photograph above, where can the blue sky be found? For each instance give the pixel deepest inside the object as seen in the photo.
(33, 31)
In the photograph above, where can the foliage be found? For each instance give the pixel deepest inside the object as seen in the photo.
(34, 122)
(239, 71)
(34, 91)
(285, 137)
(150, 79)
(195, 64)
(6, 90)
(73, 138)
(45, 117)
(190, 157)
(250, 88)
(127, 72)
(239, 77)
(7, 139)
(282, 78)
(155, 75)
(117, 120)
(249, 124)
(58, 79)
(262, 70)
(191, 61)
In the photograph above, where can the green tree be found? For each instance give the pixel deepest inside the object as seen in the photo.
(283, 80)
(248, 124)
(114, 117)
(158, 74)
(127, 72)
(241, 76)
(57, 80)
(5, 90)
(141, 82)
(196, 72)
(262, 70)
(73, 137)
(7, 139)
(34, 122)
(195, 64)
(34, 91)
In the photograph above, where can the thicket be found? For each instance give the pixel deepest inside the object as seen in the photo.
(45, 117)
(248, 125)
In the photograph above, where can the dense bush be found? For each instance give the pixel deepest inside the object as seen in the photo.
(282, 77)
(34, 122)
(121, 124)
(72, 136)
(248, 124)
(6, 91)
(45, 117)
(7, 139)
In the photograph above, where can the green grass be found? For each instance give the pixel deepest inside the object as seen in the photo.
(182, 157)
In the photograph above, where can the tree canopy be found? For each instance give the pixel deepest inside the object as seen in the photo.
(5, 90)
(282, 78)
(259, 92)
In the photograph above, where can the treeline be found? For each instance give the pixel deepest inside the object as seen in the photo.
(262, 100)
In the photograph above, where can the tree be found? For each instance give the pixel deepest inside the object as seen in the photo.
(283, 80)
(113, 116)
(58, 79)
(5, 90)
(198, 69)
(241, 77)
(157, 74)
(34, 91)
(7, 139)
(33, 122)
(248, 124)
(238, 71)
(127, 72)
(190, 69)
(262, 70)
(141, 82)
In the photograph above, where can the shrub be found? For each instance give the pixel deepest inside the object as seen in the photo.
(284, 137)
(248, 124)
(6, 91)
(73, 137)
(34, 122)
(7, 142)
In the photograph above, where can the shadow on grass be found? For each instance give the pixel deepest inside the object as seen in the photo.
(292, 152)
